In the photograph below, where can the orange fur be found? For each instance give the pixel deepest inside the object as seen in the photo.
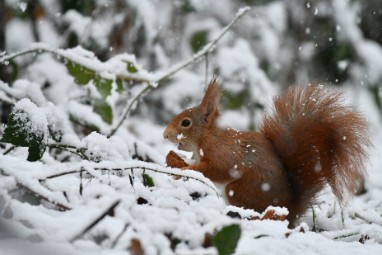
(310, 139)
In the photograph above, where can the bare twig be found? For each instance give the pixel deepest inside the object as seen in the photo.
(9, 150)
(203, 52)
(364, 218)
(128, 108)
(346, 236)
(314, 228)
(108, 211)
(129, 169)
(81, 189)
(61, 206)
(207, 48)
(61, 174)
(70, 148)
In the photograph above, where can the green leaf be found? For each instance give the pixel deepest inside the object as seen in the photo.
(103, 86)
(120, 87)
(104, 110)
(130, 67)
(235, 101)
(188, 7)
(16, 134)
(15, 70)
(81, 75)
(198, 40)
(148, 180)
(36, 150)
(226, 239)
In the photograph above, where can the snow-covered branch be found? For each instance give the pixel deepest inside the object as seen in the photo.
(201, 53)
(133, 165)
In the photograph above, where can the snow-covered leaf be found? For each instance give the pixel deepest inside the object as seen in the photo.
(27, 127)
(103, 86)
(81, 75)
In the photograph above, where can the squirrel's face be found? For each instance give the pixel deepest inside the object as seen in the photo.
(184, 130)
(187, 128)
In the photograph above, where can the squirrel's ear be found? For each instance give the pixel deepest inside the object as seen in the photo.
(211, 100)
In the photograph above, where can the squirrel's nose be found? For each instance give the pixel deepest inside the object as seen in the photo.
(166, 133)
(170, 134)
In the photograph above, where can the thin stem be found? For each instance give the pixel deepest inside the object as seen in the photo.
(58, 204)
(9, 150)
(359, 216)
(36, 47)
(128, 109)
(206, 49)
(314, 228)
(128, 169)
(61, 174)
(78, 151)
(346, 236)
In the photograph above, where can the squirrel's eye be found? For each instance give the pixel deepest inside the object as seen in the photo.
(186, 122)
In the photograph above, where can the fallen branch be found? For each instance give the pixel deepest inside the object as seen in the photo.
(108, 211)
(120, 235)
(9, 150)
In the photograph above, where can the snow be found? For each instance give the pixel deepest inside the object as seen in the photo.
(48, 205)
(101, 148)
(77, 23)
(13, 39)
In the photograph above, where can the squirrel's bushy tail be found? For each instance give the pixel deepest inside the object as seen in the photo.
(320, 140)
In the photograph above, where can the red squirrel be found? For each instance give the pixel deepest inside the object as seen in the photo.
(309, 139)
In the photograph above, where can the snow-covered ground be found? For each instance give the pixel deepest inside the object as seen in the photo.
(167, 216)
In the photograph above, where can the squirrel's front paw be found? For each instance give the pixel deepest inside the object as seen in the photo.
(173, 160)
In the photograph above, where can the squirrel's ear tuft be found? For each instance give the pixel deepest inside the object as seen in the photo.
(211, 100)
